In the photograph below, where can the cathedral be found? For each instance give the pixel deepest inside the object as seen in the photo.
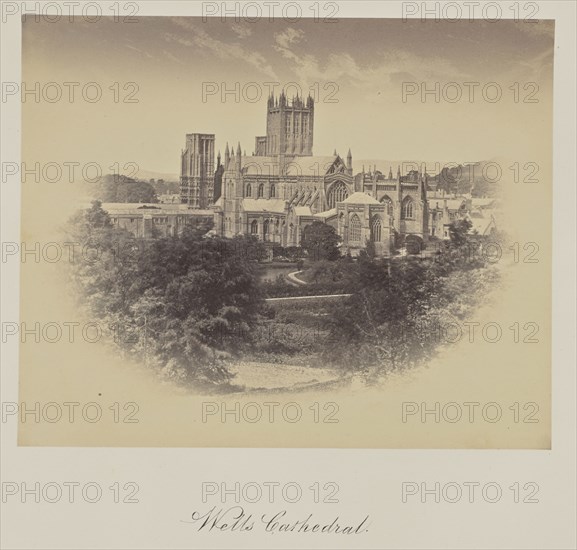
(276, 192)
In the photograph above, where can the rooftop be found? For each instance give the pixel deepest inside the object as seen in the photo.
(152, 208)
(361, 198)
(327, 213)
(295, 166)
(302, 211)
(277, 206)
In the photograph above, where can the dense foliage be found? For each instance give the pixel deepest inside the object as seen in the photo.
(191, 305)
(399, 310)
(321, 241)
(191, 300)
(118, 188)
(477, 179)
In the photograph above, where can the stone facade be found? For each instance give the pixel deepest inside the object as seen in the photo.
(197, 171)
(282, 187)
(146, 221)
(360, 219)
(405, 199)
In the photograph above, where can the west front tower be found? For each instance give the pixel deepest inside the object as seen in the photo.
(197, 171)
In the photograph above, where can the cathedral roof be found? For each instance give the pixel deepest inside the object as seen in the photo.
(276, 206)
(309, 166)
(259, 166)
(361, 198)
(156, 208)
(327, 213)
(269, 165)
(302, 211)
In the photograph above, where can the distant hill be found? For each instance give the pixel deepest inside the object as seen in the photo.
(147, 175)
(383, 165)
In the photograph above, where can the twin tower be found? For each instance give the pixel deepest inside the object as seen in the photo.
(289, 133)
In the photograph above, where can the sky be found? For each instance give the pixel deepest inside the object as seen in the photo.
(355, 68)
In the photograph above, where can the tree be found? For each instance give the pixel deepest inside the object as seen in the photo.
(391, 321)
(96, 218)
(370, 250)
(458, 231)
(119, 188)
(198, 298)
(321, 241)
(377, 329)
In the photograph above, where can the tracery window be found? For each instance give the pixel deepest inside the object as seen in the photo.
(338, 193)
(389, 205)
(355, 228)
(376, 229)
(407, 210)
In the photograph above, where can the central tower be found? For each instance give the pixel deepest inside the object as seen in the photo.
(289, 128)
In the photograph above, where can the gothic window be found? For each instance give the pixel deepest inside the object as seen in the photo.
(376, 229)
(407, 211)
(248, 190)
(388, 204)
(297, 125)
(265, 229)
(272, 191)
(261, 191)
(254, 227)
(287, 126)
(338, 193)
(355, 228)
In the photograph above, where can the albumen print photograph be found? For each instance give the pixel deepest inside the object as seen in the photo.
(319, 232)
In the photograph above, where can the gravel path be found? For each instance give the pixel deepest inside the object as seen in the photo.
(271, 376)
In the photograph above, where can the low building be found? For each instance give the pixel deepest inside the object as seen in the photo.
(155, 220)
(443, 211)
(361, 219)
